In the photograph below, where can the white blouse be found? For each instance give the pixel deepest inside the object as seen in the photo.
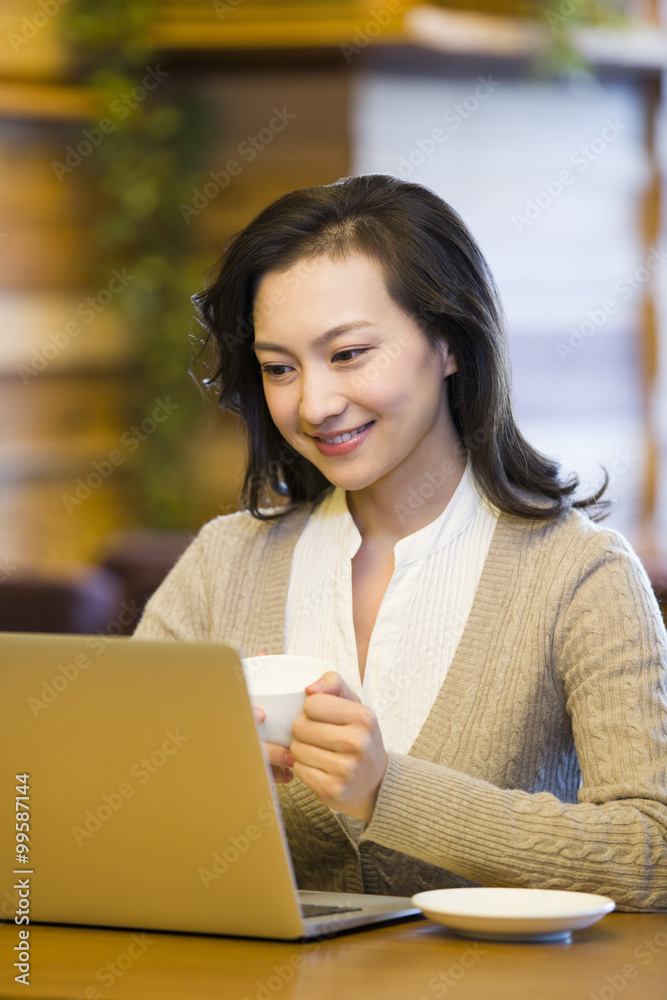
(422, 615)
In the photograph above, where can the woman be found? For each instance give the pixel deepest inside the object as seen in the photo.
(498, 713)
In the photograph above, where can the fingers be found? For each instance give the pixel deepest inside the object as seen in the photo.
(309, 755)
(329, 789)
(334, 777)
(279, 756)
(343, 783)
(332, 683)
(282, 775)
(333, 724)
(282, 762)
(336, 710)
(342, 740)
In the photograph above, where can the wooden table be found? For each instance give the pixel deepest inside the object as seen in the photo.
(623, 955)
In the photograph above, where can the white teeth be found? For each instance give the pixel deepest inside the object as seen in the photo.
(345, 437)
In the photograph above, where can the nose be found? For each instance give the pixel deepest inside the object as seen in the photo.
(321, 398)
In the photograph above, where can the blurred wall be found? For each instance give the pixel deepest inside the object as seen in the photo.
(309, 114)
(65, 355)
(550, 178)
(62, 358)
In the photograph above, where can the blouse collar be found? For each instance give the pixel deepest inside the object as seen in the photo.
(466, 500)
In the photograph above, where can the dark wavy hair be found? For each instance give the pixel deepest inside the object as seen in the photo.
(436, 273)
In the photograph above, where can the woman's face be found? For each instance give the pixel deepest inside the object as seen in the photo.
(350, 380)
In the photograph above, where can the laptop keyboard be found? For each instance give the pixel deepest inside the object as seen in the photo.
(312, 910)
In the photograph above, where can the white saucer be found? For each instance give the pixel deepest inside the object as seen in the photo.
(513, 914)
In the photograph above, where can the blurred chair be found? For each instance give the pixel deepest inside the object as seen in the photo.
(141, 560)
(85, 602)
(656, 567)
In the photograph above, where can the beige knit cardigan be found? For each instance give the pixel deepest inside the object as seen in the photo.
(543, 761)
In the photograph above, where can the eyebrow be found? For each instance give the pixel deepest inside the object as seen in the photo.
(324, 338)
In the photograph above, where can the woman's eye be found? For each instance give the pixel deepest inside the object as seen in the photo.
(274, 371)
(350, 354)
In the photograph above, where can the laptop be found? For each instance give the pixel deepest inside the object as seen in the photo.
(136, 793)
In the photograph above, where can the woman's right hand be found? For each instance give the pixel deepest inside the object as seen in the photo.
(281, 759)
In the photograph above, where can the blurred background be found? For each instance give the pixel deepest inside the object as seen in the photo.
(137, 136)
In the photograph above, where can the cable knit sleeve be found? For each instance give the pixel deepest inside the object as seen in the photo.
(607, 654)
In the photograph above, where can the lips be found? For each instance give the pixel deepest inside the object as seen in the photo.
(345, 436)
(341, 444)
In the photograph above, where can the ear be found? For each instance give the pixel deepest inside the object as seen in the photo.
(447, 359)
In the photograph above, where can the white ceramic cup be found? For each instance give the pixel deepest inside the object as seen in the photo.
(276, 684)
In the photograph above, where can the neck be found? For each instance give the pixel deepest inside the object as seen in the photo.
(389, 510)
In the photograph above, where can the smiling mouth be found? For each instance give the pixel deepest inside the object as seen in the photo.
(340, 438)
